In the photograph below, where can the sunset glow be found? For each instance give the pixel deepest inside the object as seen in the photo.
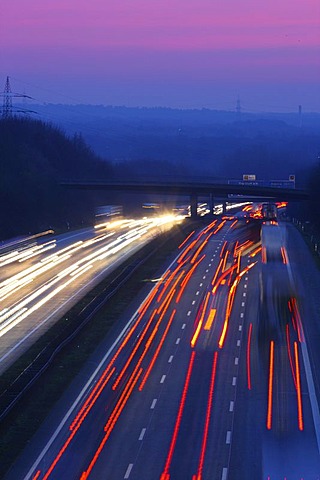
(156, 52)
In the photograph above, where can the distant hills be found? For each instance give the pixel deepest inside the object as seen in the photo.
(98, 143)
(206, 142)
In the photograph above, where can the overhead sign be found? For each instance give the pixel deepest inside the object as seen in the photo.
(264, 183)
(250, 178)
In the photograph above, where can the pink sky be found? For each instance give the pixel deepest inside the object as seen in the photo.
(95, 51)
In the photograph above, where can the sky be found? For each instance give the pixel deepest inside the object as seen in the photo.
(174, 53)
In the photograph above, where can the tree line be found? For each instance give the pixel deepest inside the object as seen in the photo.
(35, 157)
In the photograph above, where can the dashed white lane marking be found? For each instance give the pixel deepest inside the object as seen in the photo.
(189, 313)
(242, 304)
(244, 294)
(207, 270)
(224, 474)
(245, 285)
(228, 439)
(238, 343)
(246, 279)
(170, 359)
(200, 284)
(183, 326)
(204, 277)
(128, 471)
(142, 434)
(197, 293)
(234, 381)
(153, 404)
(163, 378)
(211, 259)
(209, 264)
(193, 302)
(236, 361)
(240, 328)
(231, 406)
(241, 315)
(177, 341)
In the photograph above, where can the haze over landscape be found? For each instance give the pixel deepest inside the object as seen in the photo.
(174, 53)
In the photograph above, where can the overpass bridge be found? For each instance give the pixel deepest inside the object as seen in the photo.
(196, 189)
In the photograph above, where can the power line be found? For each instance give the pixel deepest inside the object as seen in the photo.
(7, 95)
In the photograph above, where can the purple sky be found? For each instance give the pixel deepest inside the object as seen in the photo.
(180, 53)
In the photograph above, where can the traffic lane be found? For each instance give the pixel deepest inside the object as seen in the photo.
(60, 241)
(19, 338)
(75, 252)
(256, 451)
(245, 459)
(142, 435)
(68, 465)
(289, 441)
(71, 259)
(307, 280)
(147, 468)
(47, 268)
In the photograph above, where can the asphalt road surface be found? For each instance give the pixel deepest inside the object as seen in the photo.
(215, 376)
(41, 279)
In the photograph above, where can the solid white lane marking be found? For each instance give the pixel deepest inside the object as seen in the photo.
(240, 328)
(193, 302)
(310, 383)
(143, 431)
(189, 313)
(236, 361)
(228, 439)
(234, 381)
(197, 293)
(177, 341)
(312, 392)
(170, 359)
(238, 343)
(127, 474)
(163, 378)
(153, 404)
(231, 406)
(183, 326)
(224, 474)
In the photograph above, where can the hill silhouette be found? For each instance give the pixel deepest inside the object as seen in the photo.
(34, 158)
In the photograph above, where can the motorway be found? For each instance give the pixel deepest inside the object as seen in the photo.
(213, 377)
(43, 277)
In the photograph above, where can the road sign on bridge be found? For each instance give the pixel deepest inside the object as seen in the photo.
(264, 183)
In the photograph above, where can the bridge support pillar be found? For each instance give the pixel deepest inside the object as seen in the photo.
(211, 204)
(194, 205)
(224, 207)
